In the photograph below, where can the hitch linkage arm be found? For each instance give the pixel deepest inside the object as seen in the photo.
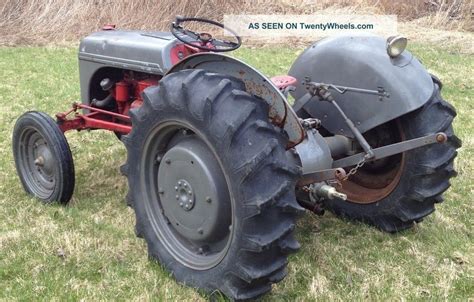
(392, 149)
(322, 91)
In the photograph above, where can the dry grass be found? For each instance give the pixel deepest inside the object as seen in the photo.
(25, 22)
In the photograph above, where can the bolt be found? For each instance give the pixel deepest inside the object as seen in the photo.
(39, 161)
(203, 249)
(185, 185)
(208, 199)
(177, 196)
(179, 183)
(181, 204)
(158, 159)
(200, 231)
(168, 161)
(185, 131)
(186, 206)
(161, 191)
(176, 188)
(190, 201)
(441, 138)
(190, 192)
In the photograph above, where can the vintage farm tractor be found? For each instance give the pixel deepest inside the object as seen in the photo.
(219, 164)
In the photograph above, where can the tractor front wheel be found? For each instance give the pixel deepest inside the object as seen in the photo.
(210, 184)
(43, 158)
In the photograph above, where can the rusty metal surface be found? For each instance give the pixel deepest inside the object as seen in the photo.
(366, 188)
(256, 83)
(377, 179)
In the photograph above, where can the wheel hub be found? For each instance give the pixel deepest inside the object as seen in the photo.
(193, 192)
(377, 179)
(184, 195)
(43, 158)
(38, 163)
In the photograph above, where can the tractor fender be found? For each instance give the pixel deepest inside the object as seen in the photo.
(361, 61)
(280, 112)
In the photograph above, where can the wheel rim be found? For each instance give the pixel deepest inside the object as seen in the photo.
(376, 180)
(187, 196)
(37, 164)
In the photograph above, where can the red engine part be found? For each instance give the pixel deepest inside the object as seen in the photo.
(121, 91)
(127, 95)
(142, 85)
(122, 95)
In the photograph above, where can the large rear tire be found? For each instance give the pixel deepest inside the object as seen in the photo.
(394, 193)
(210, 184)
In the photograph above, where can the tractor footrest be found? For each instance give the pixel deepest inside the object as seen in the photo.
(284, 81)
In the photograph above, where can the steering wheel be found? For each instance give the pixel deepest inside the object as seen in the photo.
(203, 41)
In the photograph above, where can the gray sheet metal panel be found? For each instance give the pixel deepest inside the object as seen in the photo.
(132, 50)
(255, 82)
(361, 61)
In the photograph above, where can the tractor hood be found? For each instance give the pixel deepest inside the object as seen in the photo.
(135, 50)
(141, 51)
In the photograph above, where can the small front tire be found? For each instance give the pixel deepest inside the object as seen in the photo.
(43, 158)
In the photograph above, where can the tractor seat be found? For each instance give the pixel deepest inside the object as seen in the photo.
(283, 81)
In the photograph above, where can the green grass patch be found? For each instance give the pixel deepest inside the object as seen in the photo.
(88, 250)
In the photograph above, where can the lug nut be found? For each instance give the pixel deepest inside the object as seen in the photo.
(168, 161)
(208, 199)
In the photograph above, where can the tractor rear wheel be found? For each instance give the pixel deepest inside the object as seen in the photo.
(396, 192)
(210, 184)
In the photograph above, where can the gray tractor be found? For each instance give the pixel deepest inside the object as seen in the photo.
(220, 165)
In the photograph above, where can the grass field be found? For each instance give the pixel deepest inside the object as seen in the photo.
(88, 249)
